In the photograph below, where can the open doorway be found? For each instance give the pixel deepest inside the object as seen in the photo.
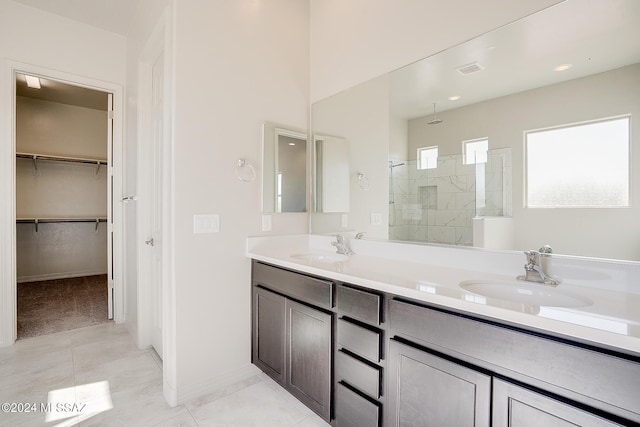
(63, 205)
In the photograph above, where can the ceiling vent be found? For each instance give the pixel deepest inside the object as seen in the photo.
(467, 69)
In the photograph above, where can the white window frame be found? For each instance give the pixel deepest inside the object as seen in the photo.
(571, 125)
(465, 145)
(429, 165)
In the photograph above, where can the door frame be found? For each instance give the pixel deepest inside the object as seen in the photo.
(8, 267)
(160, 42)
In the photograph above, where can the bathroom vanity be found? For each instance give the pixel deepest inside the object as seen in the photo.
(376, 341)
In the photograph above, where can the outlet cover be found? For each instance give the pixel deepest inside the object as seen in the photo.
(266, 222)
(376, 218)
(206, 223)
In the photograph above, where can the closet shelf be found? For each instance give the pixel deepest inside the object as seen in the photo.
(36, 221)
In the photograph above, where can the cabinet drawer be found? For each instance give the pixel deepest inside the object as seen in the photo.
(304, 288)
(360, 305)
(353, 410)
(360, 375)
(362, 341)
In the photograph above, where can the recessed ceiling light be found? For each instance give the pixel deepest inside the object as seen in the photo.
(292, 143)
(454, 98)
(32, 82)
(563, 67)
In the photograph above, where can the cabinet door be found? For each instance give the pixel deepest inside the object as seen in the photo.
(515, 406)
(269, 329)
(309, 356)
(426, 390)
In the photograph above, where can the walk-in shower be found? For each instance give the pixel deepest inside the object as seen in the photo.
(438, 205)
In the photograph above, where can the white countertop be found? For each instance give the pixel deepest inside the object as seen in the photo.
(432, 274)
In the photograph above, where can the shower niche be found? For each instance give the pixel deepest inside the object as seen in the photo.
(453, 203)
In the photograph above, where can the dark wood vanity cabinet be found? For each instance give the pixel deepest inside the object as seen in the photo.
(450, 369)
(292, 341)
(360, 358)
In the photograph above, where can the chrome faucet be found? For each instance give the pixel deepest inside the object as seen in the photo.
(341, 245)
(533, 269)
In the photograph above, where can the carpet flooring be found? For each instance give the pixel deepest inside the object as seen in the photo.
(52, 306)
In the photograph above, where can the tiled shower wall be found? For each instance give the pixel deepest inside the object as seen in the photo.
(438, 205)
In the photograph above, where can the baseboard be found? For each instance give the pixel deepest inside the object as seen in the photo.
(54, 276)
(217, 383)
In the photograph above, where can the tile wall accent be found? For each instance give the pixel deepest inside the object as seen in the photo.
(438, 205)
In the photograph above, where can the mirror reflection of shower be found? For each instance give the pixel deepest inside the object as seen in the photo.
(438, 205)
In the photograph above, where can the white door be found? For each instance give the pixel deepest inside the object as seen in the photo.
(155, 214)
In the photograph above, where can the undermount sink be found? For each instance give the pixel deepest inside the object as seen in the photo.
(526, 293)
(326, 258)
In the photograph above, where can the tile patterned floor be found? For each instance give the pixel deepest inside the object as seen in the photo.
(51, 306)
(72, 360)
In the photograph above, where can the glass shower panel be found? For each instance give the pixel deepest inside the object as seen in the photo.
(493, 184)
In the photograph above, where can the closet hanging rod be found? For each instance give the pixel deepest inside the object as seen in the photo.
(36, 221)
(35, 157)
(43, 220)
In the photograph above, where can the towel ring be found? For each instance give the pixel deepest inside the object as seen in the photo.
(363, 181)
(245, 171)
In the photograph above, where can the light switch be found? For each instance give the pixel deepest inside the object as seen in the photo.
(344, 220)
(206, 223)
(266, 222)
(376, 218)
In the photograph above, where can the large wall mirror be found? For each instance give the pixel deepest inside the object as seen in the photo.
(284, 169)
(527, 135)
(331, 171)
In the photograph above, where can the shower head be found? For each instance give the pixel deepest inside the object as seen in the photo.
(435, 120)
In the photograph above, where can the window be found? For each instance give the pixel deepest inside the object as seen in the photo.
(582, 165)
(475, 151)
(428, 157)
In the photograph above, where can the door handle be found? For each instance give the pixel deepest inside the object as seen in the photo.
(149, 242)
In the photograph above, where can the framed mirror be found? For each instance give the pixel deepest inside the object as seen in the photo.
(284, 169)
(485, 105)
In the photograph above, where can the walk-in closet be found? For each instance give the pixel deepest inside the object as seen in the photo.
(62, 250)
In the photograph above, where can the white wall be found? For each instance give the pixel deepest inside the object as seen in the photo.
(354, 41)
(40, 38)
(60, 129)
(48, 41)
(237, 65)
(606, 233)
